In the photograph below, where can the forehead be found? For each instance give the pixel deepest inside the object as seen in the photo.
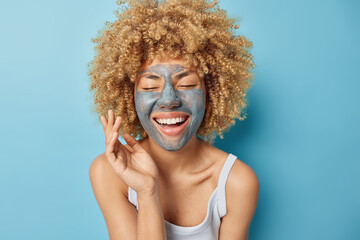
(163, 68)
(169, 65)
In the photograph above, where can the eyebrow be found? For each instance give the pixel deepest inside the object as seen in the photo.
(184, 74)
(152, 76)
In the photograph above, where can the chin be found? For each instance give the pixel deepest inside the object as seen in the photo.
(172, 146)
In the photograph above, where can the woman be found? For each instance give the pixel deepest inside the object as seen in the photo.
(176, 76)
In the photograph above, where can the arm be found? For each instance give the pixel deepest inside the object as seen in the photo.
(242, 191)
(112, 172)
(119, 213)
(150, 224)
(122, 219)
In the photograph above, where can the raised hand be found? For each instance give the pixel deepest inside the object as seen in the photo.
(132, 163)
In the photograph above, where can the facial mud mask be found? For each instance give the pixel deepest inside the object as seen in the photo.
(170, 115)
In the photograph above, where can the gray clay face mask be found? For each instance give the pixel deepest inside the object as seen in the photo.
(170, 103)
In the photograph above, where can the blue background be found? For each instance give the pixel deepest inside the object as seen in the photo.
(301, 136)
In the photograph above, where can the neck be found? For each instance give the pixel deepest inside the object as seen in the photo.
(173, 163)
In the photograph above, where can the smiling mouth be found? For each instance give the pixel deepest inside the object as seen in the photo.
(172, 126)
(171, 123)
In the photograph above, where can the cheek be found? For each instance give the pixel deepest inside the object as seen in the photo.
(144, 102)
(194, 100)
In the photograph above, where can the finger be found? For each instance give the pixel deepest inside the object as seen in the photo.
(110, 118)
(116, 160)
(120, 147)
(109, 123)
(115, 128)
(117, 124)
(129, 148)
(115, 145)
(103, 122)
(133, 143)
(110, 147)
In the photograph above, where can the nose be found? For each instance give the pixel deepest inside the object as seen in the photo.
(169, 98)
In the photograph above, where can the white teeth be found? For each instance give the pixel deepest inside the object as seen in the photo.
(170, 120)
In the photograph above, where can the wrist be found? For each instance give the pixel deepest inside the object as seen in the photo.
(150, 192)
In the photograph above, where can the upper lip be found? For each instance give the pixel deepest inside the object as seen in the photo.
(165, 115)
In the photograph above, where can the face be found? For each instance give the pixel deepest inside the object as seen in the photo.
(170, 102)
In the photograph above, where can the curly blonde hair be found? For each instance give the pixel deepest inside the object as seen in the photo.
(197, 30)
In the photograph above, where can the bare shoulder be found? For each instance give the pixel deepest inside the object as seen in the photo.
(101, 170)
(242, 191)
(242, 179)
(241, 174)
(111, 195)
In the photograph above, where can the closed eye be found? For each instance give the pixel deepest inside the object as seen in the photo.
(150, 88)
(188, 85)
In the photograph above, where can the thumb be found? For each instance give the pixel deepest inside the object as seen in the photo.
(133, 143)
